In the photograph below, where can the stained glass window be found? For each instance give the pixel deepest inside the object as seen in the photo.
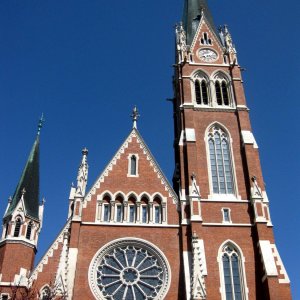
(232, 272)
(220, 162)
(129, 270)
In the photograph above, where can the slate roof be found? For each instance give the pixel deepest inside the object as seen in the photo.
(30, 182)
(191, 15)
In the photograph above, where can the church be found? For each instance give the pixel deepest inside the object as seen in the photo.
(133, 235)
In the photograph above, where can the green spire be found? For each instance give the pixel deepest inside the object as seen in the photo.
(28, 186)
(192, 15)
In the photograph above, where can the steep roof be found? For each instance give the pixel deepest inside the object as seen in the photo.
(28, 185)
(192, 15)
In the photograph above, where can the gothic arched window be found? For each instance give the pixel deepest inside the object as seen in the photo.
(133, 165)
(201, 89)
(220, 161)
(28, 232)
(17, 227)
(232, 273)
(222, 94)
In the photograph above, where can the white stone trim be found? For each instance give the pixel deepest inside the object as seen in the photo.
(248, 138)
(130, 224)
(280, 264)
(187, 259)
(190, 135)
(228, 224)
(268, 258)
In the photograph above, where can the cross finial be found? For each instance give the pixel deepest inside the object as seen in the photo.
(40, 125)
(135, 115)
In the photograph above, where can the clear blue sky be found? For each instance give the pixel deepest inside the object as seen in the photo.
(86, 63)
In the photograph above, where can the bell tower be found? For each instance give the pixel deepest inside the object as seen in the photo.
(22, 222)
(228, 244)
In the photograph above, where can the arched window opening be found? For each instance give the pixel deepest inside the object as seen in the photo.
(204, 92)
(218, 93)
(119, 209)
(17, 227)
(232, 273)
(106, 208)
(131, 210)
(198, 92)
(220, 162)
(144, 210)
(157, 211)
(225, 93)
(133, 165)
(201, 90)
(28, 232)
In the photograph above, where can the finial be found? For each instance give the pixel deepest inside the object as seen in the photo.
(85, 151)
(40, 125)
(10, 199)
(194, 176)
(23, 191)
(135, 115)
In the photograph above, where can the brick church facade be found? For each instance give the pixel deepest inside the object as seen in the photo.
(133, 235)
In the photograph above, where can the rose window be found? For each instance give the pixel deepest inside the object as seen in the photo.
(129, 270)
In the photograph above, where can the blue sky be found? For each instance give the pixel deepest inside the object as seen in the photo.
(85, 64)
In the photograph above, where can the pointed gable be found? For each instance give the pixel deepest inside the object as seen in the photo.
(117, 178)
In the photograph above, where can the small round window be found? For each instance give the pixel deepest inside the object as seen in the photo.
(129, 269)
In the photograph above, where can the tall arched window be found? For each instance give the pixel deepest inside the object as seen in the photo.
(222, 90)
(17, 227)
(133, 165)
(232, 273)
(28, 232)
(220, 161)
(201, 89)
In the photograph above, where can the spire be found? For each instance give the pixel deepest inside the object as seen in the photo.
(193, 12)
(135, 115)
(82, 174)
(28, 186)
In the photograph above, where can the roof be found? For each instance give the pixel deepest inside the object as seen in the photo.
(192, 15)
(30, 182)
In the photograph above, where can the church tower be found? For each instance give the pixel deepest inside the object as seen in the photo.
(22, 224)
(227, 238)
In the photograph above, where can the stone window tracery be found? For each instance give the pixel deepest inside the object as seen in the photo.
(129, 269)
(220, 161)
(233, 279)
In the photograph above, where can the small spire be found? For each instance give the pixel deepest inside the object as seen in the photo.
(135, 115)
(40, 125)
